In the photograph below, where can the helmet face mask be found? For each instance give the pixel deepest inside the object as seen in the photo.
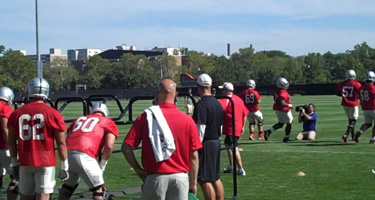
(7, 95)
(350, 75)
(38, 88)
(370, 76)
(282, 83)
(100, 107)
(251, 83)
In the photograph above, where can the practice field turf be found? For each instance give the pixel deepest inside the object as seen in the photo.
(334, 170)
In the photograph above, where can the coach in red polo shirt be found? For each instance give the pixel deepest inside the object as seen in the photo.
(240, 114)
(167, 178)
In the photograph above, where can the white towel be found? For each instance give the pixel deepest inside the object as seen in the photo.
(160, 134)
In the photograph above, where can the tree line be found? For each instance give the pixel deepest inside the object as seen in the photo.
(137, 71)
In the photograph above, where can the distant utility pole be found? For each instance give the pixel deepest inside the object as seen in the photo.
(38, 63)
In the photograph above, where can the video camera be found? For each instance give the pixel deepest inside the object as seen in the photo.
(306, 107)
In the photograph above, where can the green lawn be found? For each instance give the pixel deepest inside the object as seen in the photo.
(334, 170)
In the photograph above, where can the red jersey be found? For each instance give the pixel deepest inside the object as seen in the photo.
(5, 111)
(251, 99)
(87, 133)
(349, 90)
(367, 93)
(186, 138)
(240, 111)
(279, 95)
(34, 124)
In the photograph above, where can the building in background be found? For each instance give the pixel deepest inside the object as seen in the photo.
(54, 55)
(81, 54)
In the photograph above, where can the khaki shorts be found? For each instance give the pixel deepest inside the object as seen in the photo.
(86, 167)
(351, 112)
(284, 117)
(306, 135)
(36, 179)
(5, 161)
(256, 116)
(166, 186)
(369, 116)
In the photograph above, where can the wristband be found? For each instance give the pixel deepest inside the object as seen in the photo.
(14, 161)
(64, 165)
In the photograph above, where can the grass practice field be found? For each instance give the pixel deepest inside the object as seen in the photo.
(334, 170)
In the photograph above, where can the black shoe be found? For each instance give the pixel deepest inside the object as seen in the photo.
(287, 140)
(267, 134)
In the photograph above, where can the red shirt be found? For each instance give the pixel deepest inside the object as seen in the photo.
(349, 90)
(5, 111)
(279, 95)
(367, 93)
(240, 111)
(251, 99)
(186, 138)
(86, 134)
(34, 124)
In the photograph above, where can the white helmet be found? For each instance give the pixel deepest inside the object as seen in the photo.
(6, 94)
(370, 76)
(350, 75)
(282, 83)
(38, 87)
(100, 107)
(251, 83)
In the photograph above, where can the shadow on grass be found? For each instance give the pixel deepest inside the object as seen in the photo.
(320, 143)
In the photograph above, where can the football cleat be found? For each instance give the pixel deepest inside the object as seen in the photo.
(228, 169)
(267, 135)
(357, 136)
(260, 136)
(287, 140)
(241, 172)
(251, 137)
(372, 141)
(345, 138)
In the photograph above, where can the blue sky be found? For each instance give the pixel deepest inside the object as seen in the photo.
(297, 27)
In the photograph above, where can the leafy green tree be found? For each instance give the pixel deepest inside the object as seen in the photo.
(16, 70)
(61, 78)
(96, 72)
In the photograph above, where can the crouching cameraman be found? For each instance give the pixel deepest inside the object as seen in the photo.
(308, 116)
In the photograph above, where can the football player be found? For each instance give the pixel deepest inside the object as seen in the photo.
(6, 99)
(35, 127)
(88, 137)
(282, 107)
(349, 91)
(251, 98)
(367, 94)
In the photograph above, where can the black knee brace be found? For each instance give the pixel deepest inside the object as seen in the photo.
(67, 190)
(100, 194)
(13, 187)
(260, 123)
(352, 123)
(251, 124)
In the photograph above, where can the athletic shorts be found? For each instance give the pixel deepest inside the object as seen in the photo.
(369, 116)
(228, 141)
(165, 186)
(209, 161)
(351, 112)
(284, 117)
(256, 116)
(83, 166)
(36, 179)
(5, 162)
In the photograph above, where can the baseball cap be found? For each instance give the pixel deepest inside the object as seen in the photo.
(204, 80)
(227, 85)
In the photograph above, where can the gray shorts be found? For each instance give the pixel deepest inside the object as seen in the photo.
(166, 186)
